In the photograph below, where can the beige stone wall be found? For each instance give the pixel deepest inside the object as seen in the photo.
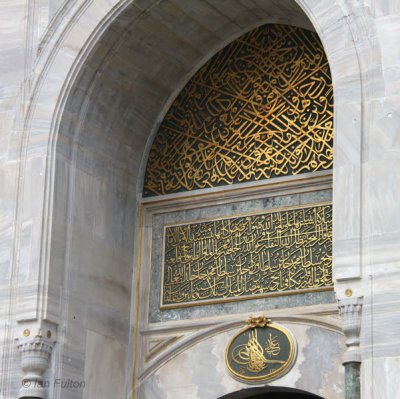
(84, 85)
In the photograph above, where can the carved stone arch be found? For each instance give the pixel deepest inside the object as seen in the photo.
(44, 120)
(66, 76)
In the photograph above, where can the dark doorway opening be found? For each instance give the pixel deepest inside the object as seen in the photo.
(270, 393)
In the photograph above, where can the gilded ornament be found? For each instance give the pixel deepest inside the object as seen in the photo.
(260, 352)
(261, 107)
(259, 321)
(349, 292)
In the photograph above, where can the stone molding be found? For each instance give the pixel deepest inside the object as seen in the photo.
(35, 360)
(350, 309)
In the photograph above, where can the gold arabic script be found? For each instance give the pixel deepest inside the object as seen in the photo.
(248, 256)
(252, 356)
(261, 107)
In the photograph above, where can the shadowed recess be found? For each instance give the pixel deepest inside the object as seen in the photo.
(270, 393)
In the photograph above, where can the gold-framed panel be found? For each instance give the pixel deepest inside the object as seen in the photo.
(317, 230)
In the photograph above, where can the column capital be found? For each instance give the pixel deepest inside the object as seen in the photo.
(350, 309)
(35, 359)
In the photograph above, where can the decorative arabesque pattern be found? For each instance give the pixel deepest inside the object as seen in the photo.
(261, 107)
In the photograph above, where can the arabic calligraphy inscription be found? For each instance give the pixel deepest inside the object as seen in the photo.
(260, 353)
(261, 107)
(248, 256)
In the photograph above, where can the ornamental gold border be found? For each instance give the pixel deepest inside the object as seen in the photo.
(137, 302)
(276, 374)
(245, 297)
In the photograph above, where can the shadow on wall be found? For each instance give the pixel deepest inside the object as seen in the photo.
(270, 393)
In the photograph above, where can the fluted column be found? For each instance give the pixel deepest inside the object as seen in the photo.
(350, 310)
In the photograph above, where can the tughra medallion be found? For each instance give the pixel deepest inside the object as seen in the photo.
(262, 351)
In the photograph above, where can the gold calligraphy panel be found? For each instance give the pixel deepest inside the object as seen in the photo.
(261, 107)
(274, 253)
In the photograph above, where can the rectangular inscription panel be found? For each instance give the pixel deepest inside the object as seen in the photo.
(274, 253)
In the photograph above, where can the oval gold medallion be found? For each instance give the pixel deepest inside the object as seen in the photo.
(260, 352)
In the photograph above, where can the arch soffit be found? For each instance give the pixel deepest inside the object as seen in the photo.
(64, 56)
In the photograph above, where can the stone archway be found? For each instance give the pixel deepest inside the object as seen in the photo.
(79, 100)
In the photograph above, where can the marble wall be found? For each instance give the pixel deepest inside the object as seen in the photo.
(200, 371)
(83, 87)
(12, 72)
